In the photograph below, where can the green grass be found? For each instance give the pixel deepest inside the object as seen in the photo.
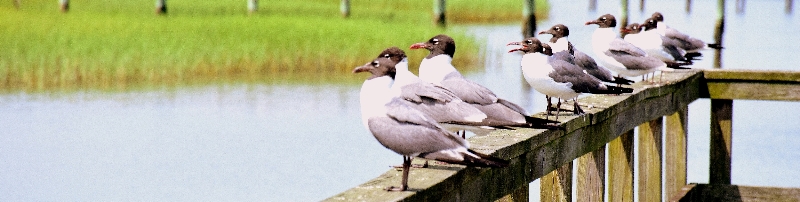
(123, 43)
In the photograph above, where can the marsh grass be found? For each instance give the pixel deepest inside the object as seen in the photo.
(123, 43)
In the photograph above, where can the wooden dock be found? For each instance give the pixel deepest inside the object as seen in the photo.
(608, 125)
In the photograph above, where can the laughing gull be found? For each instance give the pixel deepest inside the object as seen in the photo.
(559, 42)
(619, 55)
(688, 43)
(658, 46)
(407, 131)
(554, 75)
(440, 103)
(437, 68)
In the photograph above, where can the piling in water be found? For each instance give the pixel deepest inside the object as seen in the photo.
(529, 19)
(592, 5)
(439, 13)
(623, 16)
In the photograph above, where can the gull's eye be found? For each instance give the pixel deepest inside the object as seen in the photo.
(529, 41)
(604, 18)
(556, 28)
(386, 56)
(435, 41)
(376, 64)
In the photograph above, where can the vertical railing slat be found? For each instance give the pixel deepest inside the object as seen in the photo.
(720, 143)
(675, 152)
(620, 168)
(591, 176)
(650, 160)
(557, 185)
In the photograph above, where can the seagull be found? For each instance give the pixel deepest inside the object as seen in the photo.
(440, 103)
(437, 68)
(407, 131)
(619, 55)
(555, 75)
(688, 43)
(559, 42)
(661, 47)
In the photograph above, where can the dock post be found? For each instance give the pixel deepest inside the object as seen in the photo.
(650, 149)
(529, 19)
(557, 185)
(439, 13)
(675, 155)
(688, 6)
(591, 175)
(620, 168)
(592, 5)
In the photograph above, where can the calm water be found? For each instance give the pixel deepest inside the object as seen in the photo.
(255, 142)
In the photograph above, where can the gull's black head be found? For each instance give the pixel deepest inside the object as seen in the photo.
(633, 28)
(658, 17)
(558, 31)
(528, 45)
(604, 21)
(378, 68)
(393, 53)
(439, 44)
(650, 23)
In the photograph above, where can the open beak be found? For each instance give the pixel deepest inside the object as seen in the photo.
(545, 32)
(418, 46)
(592, 22)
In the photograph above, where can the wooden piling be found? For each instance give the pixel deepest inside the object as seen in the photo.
(17, 4)
(63, 5)
(161, 7)
(522, 194)
(439, 13)
(591, 176)
(620, 168)
(641, 5)
(592, 5)
(252, 6)
(688, 6)
(344, 8)
(623, 17)
(649, 170)
(675, 152)
(557, 185)
(529, 19)
(740, 6)
(789, 6)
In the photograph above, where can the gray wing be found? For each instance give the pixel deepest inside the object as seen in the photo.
(620, 45)
(686, 42)
(469, 91)
(408, 131)
(590, 66)
(562, 55)
(672, 47)
(416, 92)
(569, 73)
(634, 62)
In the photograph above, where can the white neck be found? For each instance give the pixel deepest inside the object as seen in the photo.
(562, 44)
(403, 77)
(434, 70)
(375, 94)
(661, 28)
(535, 65)
(601, 39)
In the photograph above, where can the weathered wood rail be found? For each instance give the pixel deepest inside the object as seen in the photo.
(608, 125)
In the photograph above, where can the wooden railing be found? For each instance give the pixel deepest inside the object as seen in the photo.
(608, 125)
